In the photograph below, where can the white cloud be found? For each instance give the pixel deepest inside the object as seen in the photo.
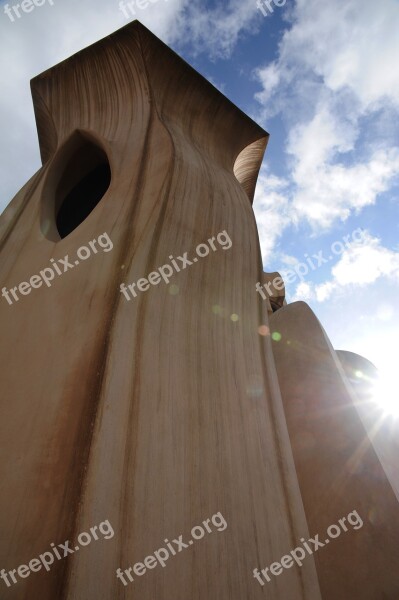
(287, 259)
(217, 30)
(304, 291)
(335, 71)
(360, 265)
(366, 262)
(270, 78)
(324, 290)
(271, 211)
(349, 43)
(335, 85)
(327, 192)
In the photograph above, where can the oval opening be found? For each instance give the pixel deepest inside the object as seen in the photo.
(84, 181)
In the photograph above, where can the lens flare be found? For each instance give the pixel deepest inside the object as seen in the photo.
(276, 336)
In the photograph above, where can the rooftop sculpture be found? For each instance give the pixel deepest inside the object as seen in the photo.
(151, 414)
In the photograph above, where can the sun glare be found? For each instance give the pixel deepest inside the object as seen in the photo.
(386, 394)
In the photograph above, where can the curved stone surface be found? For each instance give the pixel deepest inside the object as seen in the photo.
(274, 290)
(158, 412)
(337, 466)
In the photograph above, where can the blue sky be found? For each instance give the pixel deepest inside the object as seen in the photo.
(322, 78)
